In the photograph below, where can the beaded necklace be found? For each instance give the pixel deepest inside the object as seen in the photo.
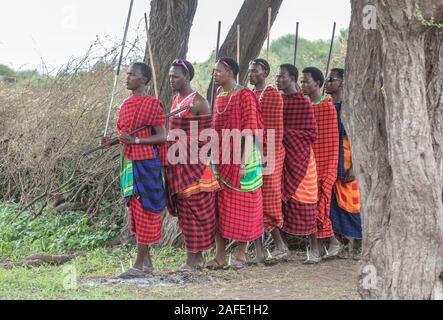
(262, 93)
(319, 100)
(223, 94)
(179, 104)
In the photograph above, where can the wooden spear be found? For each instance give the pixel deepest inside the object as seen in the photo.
(118, 68)
(151, 57)
(217, 49)
(296, 44)
(269, 32)
(115, 141)
(330, 53)
(238, 50)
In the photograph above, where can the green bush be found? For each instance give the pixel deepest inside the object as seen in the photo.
(51, 233)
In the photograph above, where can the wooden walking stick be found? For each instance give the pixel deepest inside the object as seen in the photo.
(269, 33)
(217, 49)
(295, 53)
(330, 53)
(238, 50)
(118, 67)
(151, 57)
(296, 44)
(115, 141)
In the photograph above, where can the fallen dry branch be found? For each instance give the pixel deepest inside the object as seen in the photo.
(39, 260)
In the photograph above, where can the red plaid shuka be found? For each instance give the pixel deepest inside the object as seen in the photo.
(300, 133)
(196, 209)
(136, 112)
(271, 103)
(326, 156)
(239, 214)
(238, 110)
(146, 225)
(189, 170)
(300, 218)
(197, 220)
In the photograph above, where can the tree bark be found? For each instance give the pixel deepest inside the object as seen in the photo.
(170, 26)
(393, 96)
(253, 20)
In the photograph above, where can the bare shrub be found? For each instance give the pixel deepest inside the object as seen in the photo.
(47, 124)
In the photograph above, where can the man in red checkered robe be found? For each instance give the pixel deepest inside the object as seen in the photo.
(146, 200)
(191, 184)
(299, 189)
(326, 156)
(345, 202)
(239, 202)
(271, 103)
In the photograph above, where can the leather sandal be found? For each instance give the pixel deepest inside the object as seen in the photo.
(238, 264)
(132, 273)
(215, 265)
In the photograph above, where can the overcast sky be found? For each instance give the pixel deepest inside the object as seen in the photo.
(57, 30)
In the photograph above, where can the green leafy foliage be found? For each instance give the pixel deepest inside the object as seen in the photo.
(19, 75)
(51, 233)
(6, 71)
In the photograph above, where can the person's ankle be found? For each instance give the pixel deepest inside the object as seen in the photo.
(138, 266)
(220, 259)
(260, 256)
(147, 264)
(334, 242)
(317, 252)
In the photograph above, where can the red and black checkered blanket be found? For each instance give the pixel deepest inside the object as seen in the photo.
(136, 112)
(300, 133)
(190, 169)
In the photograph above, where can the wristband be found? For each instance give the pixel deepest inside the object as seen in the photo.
(137, 140)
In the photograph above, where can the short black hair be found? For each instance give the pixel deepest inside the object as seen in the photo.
(316, 74)
(233, 65)
(188, 65)
(145, 70)
(292, 70)
(340, 72)
(262, 63)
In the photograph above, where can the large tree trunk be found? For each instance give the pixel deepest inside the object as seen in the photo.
(253, 21)
(393, 98)
(169, 27)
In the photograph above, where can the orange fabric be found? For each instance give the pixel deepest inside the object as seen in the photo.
(307, 191)
(207, 183)
(348, 194)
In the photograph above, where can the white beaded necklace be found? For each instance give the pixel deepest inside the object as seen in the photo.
(179, 104)
(261, 95)
(234, 93)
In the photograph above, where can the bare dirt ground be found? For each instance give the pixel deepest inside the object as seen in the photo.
(329, 280)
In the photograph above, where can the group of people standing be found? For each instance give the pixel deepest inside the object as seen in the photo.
(310, 191)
